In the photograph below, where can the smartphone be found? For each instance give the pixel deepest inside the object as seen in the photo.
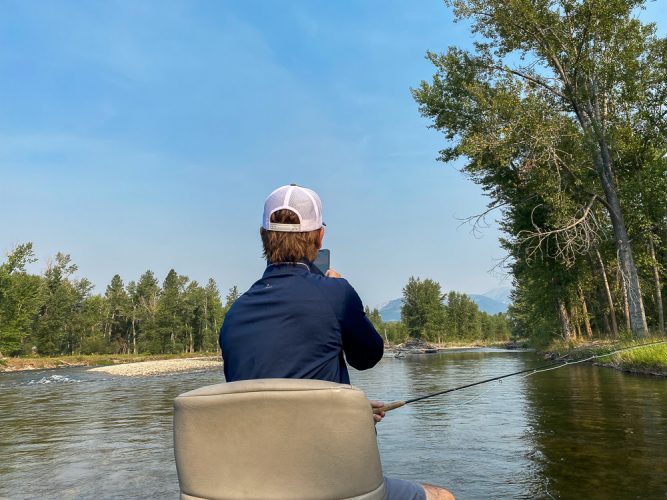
(323, 260)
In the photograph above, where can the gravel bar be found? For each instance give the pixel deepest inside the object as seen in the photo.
(164, 366)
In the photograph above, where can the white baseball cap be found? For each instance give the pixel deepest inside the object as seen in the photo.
(304, 202)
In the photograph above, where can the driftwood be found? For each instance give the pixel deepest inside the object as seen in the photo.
(414, 346)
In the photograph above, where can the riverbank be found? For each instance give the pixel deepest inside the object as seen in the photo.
(418, 346)
(154, 364)
(498, 344)
(649, 360)
(97, 360)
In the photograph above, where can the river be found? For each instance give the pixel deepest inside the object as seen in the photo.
(577, 432)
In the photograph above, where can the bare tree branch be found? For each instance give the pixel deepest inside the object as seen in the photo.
(577, 237)
(478, 221)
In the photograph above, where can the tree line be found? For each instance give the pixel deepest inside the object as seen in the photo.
(430, 315)
(55, 313)
(560, 113)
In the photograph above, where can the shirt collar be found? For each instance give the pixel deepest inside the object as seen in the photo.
(291, 267)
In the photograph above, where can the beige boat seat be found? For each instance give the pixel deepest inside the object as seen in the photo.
(282, 439)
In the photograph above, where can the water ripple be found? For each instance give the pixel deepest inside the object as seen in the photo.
(578, 432)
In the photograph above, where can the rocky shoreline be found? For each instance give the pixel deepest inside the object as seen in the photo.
(160, 367)
(148, 364)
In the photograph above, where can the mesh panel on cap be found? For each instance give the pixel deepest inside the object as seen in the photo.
(303, 205)
(276, 199)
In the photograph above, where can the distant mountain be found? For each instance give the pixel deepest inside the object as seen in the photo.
(492, 302)
(487, 304)
(500, 294)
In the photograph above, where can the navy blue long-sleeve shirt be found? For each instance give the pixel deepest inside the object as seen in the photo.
(296, 323)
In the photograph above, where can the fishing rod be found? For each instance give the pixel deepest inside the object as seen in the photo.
(530, 371)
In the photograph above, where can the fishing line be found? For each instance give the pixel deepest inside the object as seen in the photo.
(479, 396)
(529, 371)
(538, 370)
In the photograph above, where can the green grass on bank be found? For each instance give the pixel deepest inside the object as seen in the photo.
(648, 360)
(645, 360)
(46, 362)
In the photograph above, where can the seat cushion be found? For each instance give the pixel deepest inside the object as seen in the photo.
(276, 439)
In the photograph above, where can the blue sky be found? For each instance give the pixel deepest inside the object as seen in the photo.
(146, 135)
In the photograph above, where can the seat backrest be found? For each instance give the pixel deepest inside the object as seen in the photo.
(276, 439)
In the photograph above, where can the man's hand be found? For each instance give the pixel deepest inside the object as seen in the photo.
(377, 404)
(332, 273)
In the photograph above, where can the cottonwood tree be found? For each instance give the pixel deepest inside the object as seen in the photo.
(422, 311)
(59, 298)
(18, 299)
(549, 87)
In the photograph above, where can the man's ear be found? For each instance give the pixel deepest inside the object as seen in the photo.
(320, 238)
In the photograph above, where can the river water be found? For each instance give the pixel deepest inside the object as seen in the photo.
(577, 432)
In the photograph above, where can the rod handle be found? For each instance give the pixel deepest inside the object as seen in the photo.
(388, 407)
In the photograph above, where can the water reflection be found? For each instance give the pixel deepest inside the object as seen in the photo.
(581, 431)
(473, 441)
(600, 431)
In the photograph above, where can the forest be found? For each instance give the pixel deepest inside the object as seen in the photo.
(429, 314)
(559, 113)
(55, 313)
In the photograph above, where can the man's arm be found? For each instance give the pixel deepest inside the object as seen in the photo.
(362, 344)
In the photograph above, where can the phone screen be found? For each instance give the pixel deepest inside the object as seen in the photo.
(323, 260)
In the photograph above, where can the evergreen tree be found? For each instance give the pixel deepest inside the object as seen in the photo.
(213, 313)
(170, 314)
(230, 298)
(119, 315)
(145, 301)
